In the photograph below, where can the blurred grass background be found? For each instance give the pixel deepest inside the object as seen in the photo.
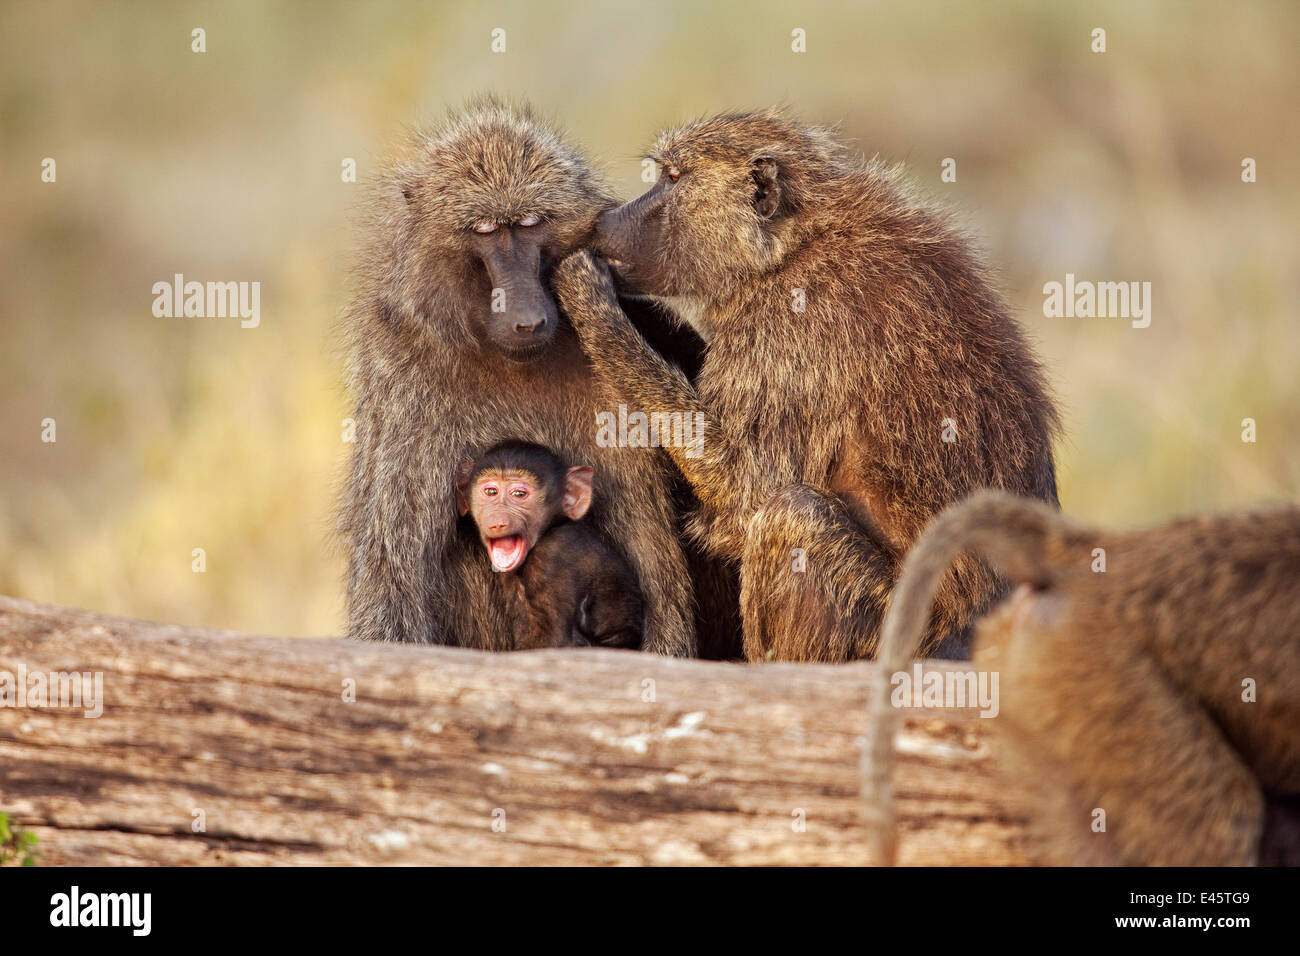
(182, 433)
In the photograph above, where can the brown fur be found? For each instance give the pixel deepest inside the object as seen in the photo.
(824, 426)
(1122, 690)
(580, 592)
(574, 588)
(431, 390)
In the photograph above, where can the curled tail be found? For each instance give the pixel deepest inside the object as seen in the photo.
(1025, 540)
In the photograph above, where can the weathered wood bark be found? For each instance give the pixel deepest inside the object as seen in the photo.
(568, 750)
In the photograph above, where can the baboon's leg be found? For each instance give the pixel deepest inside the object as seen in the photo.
(655, 553)
(717, 605)
(1091, 721)
(716, 586)
(813, 585)
(642, 522)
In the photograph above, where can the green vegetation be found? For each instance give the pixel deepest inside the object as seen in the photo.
(16, 843)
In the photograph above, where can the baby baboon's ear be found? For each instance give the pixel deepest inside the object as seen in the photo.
(577, 491)
(767, 191)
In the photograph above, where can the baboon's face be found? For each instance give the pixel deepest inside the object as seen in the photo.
(513, 502)
(509, 240)
(502, 199)
(707, 223)
(521, 318)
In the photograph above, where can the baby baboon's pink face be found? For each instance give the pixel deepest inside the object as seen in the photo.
(510, 509)
(514, 493)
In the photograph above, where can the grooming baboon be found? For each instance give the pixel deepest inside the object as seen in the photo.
(1163, 690)
(456, 345)
(860, 375)
(575, 589)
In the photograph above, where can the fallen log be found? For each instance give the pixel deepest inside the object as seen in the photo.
(218, 748)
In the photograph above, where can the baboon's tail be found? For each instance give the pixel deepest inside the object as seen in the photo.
(1024, 539)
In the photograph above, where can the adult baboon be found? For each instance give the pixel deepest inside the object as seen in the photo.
(456, 345)
(1163, 690)
(860, 375)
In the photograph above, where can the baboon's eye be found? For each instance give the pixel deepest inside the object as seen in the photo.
(520, 493)
(485, 226)
(673, 173)
(529, 221)
(490, 491)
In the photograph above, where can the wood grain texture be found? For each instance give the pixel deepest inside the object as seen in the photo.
(561, 745)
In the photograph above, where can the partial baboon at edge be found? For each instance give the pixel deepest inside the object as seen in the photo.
(850, 330)
(1127, 690)
(456, 345)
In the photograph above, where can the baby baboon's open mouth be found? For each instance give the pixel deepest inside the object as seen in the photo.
(507, 553)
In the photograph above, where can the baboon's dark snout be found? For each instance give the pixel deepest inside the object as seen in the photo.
(529, 327)
(522, 316)
(610, 239)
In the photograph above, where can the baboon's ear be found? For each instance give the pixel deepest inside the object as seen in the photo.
(463, 472)
(767, 190)
(577, 490)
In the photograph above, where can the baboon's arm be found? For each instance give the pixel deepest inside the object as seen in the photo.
(617, 351)
(396, 516)
(623, 359)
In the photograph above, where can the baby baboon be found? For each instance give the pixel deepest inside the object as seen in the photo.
(1163, 690)
(457, 345)
(575, 588)
(860, 375)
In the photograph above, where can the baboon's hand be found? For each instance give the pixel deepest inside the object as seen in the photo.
(585, 289)
(615, 348)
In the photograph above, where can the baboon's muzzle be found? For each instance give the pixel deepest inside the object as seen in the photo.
(522, 317)
(629, 235)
